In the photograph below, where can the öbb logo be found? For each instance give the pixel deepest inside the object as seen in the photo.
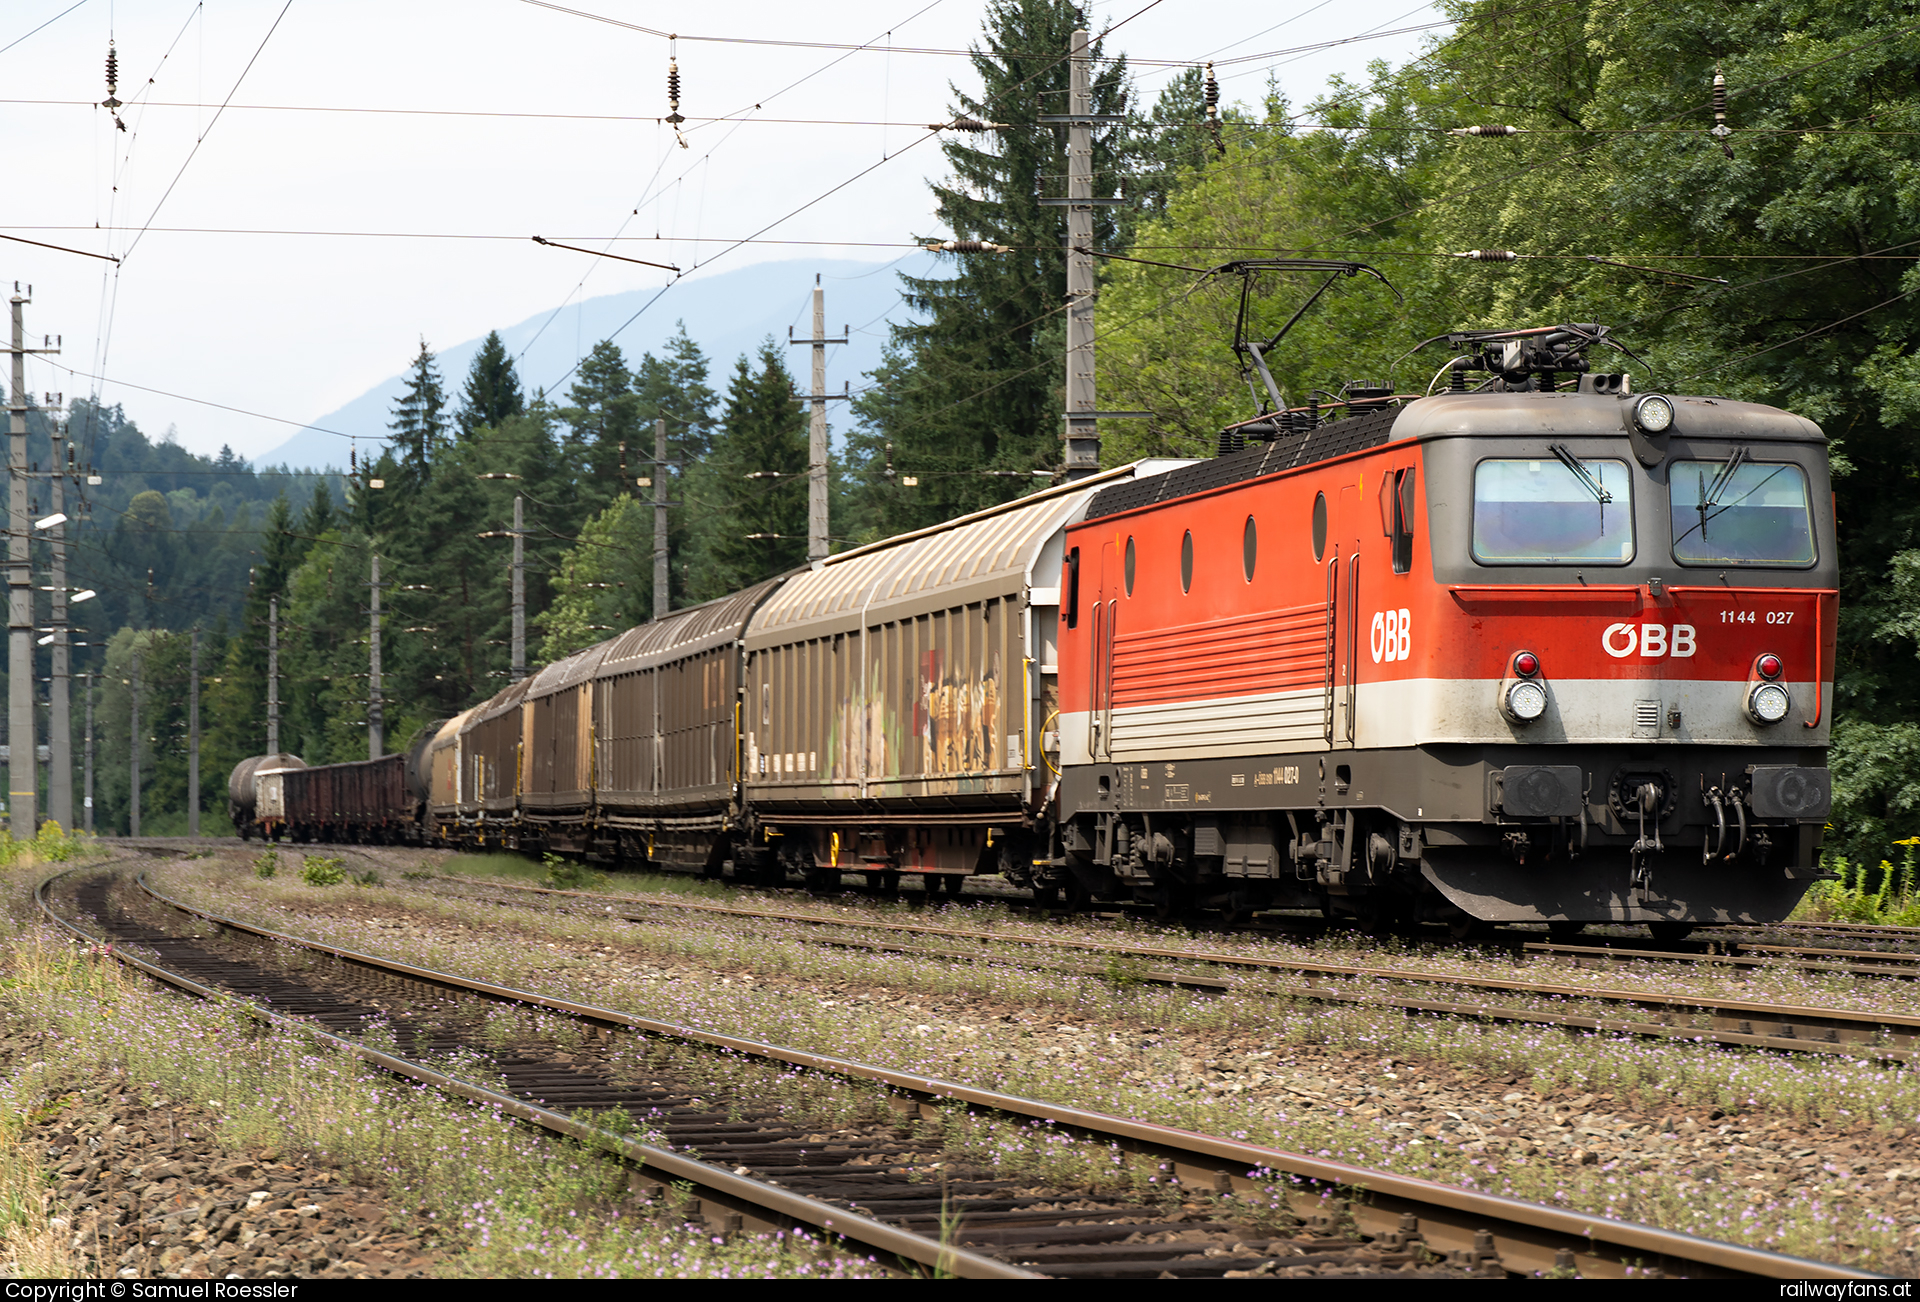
(1650, 640)
(1391, 637)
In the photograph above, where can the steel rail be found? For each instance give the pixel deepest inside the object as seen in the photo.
(1797, 1029)
(1787, 958)
(1523, 1237)
(770, 1206)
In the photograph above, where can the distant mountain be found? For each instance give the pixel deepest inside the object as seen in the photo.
(727, 315)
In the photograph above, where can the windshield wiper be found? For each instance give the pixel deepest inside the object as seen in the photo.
(1710, 493)
(1710, 496)
(1580, 472)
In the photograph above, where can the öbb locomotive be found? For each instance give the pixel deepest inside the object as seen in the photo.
(1541, 649)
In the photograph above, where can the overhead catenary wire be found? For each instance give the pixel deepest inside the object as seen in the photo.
(208, 129)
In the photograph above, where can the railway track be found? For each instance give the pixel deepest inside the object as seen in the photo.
(752, 1171)
(1714, 945)
(1893, 1037)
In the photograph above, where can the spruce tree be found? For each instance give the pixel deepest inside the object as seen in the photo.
(1168, 145)
(320, 515)
(748, 529)
(492, 390)
(673, 388)
(418, 425)
(601, 414)
(976, 384)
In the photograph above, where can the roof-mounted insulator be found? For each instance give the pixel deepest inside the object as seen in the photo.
(1720, 129)
(1213, 111)
(1488, 255)
(968, 246)
(967, 124)
(1485, 129)
(673, 101)
(112, 102)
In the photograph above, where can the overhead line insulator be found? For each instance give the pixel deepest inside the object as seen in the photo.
(1212, 91)
(673, 118)
(1720, 129)
(1486, 129)
(1488, 255)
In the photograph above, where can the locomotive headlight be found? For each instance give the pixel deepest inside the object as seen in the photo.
(1654, 414)
(1768, 703)
(1525, 701)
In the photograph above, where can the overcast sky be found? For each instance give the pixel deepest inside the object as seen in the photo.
(296, 316)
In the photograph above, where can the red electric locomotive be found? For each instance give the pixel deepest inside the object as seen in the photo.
(1541, 650)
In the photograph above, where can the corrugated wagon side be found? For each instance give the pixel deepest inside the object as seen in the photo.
(899, 699)
(665, 728)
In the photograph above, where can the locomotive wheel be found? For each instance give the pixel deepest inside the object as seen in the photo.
(1562, 932)
(1668, 933)
(1046, 897)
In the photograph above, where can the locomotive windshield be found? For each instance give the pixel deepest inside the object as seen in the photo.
(1740, 512)
(1552, 510)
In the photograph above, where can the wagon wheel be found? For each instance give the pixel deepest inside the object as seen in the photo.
(1467, 927)
(1170, 902)
(1078, 900)
(950, 884)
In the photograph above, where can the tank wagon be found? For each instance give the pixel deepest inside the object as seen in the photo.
(1539, 649)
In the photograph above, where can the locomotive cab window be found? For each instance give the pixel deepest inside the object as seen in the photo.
(1403, 520)
(1553, 510)
(1740, 512)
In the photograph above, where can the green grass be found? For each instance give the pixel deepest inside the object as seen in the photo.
(499, 1200)
(1888, 896)
(540, 872)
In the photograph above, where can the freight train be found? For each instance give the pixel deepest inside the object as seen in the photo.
(1542, 649)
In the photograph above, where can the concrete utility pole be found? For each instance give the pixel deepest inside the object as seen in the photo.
(193, 737)
(89, 773)
(23, 785)
(273, 675)
(60, 689)
(518, 670)
(817, 433)
(660, 592)
(1082, 433)
(133, 751)
(376, 723)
